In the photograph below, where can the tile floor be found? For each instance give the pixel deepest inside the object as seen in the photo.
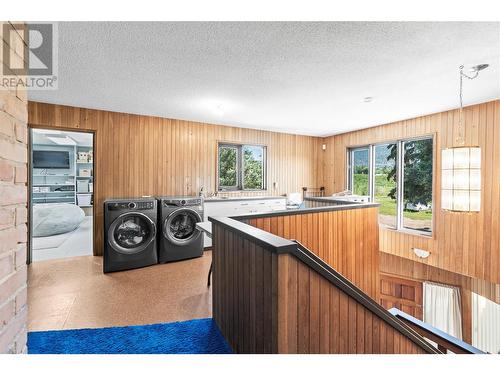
(74, 293)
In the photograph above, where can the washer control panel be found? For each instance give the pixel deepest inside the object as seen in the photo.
(189, 202)
(132, 205)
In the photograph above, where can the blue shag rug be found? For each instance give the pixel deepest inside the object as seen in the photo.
(199, 336)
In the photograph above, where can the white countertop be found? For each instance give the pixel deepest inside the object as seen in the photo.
(229, 199)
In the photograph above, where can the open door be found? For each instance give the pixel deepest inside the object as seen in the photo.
(61, 186)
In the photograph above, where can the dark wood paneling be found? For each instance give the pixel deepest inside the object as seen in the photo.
(244, 293)
(143, 155)
(346, 239)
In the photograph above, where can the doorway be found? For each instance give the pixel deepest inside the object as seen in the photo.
(61, 194)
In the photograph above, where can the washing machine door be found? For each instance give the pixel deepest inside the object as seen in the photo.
(131, 233)
(180, 226)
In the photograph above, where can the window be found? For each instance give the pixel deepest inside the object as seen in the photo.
(398, 175)
(385, 190)
(241, 167)
(360, 165)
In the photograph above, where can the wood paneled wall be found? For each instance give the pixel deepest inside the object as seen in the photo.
(464, 243)
(142, 155)
(345, 239)
(314, 316)
(244, 292)
(265, 302)
(402, 267)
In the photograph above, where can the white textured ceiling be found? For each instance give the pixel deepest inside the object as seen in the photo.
(306, 78)
(41, 137)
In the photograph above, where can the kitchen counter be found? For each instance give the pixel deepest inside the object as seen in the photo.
(206, 226)
(233, 199)
(309, 210)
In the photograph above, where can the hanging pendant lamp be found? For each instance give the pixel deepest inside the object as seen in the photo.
(461, 166)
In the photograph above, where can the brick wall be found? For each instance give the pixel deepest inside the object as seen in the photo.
(13, 212)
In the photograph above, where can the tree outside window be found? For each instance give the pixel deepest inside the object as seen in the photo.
(241, 167)
(401, 175)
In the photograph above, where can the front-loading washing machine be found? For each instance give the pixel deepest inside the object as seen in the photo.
(130, 235)
(179, 238)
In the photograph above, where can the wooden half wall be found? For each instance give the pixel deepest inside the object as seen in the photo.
(140, 155)
(268, 300)
(463, 243)
(346, 239)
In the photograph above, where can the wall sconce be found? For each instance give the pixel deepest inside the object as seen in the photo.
(461, 166)
(421, 253)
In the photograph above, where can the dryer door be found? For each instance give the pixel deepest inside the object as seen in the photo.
(131, 233)
(180, 226)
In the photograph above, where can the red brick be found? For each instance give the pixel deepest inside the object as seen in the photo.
(21, 215)
(15, 327)
(6, 313)
(13, 230)
(21, 341)
(21, 174)
(21, 133)
(6, 124)
(22, 233)
(6, 171)
(7, 217)
(13, 194)
(14, 151)
(6, 266)
(8, 239)
(21, 299)
(20, 255)
(13, 283)
(11, 104)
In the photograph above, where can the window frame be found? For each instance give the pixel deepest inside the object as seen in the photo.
(240, 166)
(399, 179)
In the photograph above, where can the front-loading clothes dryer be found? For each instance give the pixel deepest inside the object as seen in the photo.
(130, 235)
(179, 237)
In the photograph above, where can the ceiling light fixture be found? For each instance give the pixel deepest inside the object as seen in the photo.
(461, 166)
(219, 110)
(368, 99)
(46, 131)
(65, 141)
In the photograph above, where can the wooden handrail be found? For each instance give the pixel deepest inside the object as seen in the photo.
(344, 284)
(280, 245)
(442, 339)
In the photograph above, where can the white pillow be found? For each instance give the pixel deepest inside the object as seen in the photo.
(50, 219)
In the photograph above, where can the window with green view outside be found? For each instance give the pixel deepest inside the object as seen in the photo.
(360, 167)
(399, 177)
(241, 167)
